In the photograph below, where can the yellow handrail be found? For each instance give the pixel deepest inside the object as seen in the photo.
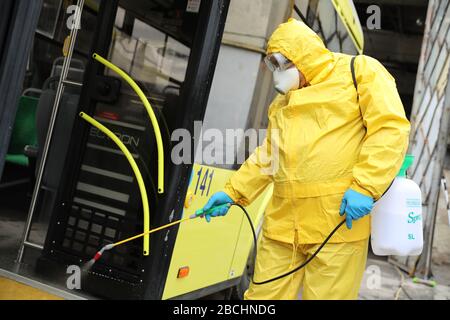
(136, 171)
(150, 112)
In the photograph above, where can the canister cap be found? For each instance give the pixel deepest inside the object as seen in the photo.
(407, 162)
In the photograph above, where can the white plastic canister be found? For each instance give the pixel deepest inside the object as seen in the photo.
(397, 217)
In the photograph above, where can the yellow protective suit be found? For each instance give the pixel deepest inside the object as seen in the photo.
(335, 273)
(322, 140)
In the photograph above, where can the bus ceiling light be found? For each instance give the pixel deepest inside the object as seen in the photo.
(150, 112)
(138, 175)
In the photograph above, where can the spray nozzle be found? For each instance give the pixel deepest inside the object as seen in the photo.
(105, 248)
(407, 162)
(201, 212)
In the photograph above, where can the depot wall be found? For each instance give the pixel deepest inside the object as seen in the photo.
(242, 87)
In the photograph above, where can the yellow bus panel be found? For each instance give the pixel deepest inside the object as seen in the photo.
(214, 252)
(347, 12)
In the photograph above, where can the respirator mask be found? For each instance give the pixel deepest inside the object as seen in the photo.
(286, 76)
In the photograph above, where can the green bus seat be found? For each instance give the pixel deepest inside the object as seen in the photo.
(24, 131)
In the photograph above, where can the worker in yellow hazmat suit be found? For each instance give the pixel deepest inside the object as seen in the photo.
(336, 149)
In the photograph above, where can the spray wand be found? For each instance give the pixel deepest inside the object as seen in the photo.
(198, 213)
(202, 213)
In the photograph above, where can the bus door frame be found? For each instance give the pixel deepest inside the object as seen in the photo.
(194, 95)
(104, 26)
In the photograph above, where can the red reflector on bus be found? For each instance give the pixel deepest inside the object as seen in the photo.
(183, 272)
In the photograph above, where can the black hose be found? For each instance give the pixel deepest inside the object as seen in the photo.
(255, 240)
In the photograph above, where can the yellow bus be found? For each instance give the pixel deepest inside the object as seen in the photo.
(84, 193)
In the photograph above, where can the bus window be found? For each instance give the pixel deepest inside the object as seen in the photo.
(51, 32)
(150, 56)
(49, 17)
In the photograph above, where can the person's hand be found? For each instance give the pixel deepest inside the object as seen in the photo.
(355, 205)
(217, 199)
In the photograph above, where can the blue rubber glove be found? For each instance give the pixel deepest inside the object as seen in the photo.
(355, 205)
(216, 199)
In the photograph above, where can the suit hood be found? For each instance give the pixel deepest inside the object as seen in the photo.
(297, 42)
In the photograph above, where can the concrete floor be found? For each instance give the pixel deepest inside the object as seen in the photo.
(441, 247)
(14, 205)
(393, 284)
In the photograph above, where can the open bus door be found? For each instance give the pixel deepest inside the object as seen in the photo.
(170, 49)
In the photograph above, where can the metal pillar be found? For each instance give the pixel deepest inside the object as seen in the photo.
(61, 84)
